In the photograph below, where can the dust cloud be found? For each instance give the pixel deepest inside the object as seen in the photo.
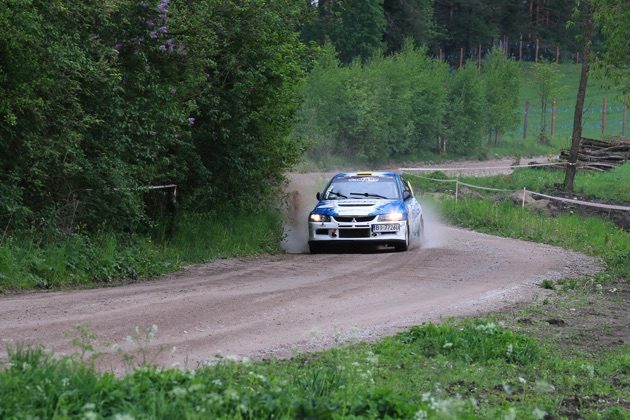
(436, 233)
(300, 200)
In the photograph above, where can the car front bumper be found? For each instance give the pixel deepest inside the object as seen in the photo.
(343, 232)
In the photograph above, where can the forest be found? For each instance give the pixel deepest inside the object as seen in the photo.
(114, 115)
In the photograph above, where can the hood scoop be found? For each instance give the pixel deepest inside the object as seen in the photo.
(356, 204)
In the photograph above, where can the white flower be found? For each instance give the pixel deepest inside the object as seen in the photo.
(510, 415)
(89, 415)
(178, 391)
(123, 417)
(447, 345)
(522, 380)
(539, 414)
(421, 415)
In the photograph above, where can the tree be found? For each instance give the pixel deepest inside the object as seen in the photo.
(501, 82)
(584, 11)
(547, 76)
(355, 27)
(408, 19)
(611, 17)
(465, 112)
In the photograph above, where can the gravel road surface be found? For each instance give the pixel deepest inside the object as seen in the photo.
(278, 305)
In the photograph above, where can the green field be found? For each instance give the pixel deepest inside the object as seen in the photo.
(565, 96)
(611, 186)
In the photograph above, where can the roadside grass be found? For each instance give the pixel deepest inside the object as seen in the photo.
(592, 235)
(613, 185)
(459, 369)
(28, 261)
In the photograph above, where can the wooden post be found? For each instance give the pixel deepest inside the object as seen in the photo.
(523, 202)
(553, 118)
(479, 57)
(603, 115)
(557, 54)
(457, 188)
(441, 55)
(507, 46)
(624, 118)
(577, 57)
(461, 57)
(525, 120)
(520, 49)
(537, 47)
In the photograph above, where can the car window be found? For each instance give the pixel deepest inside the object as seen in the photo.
(357, 187)
(407, 187)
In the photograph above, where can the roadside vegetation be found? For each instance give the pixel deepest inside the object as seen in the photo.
(469, 369)
(610, 186)
(32, 261)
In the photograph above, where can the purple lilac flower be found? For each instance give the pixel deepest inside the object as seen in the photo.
(154, 34)
(173, 91)
(118, 46)
(163, 29)
(163, 6)
(150, 23)
(162, 47)
(191, 120)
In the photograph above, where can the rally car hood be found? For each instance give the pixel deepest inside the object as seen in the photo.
(358, 207)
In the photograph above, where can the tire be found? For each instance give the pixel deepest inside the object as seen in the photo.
(422, 239)
(404, 245)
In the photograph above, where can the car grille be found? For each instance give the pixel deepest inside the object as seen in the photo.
(354, 233)
(354, 219)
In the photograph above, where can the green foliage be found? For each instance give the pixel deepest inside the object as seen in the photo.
(612, 17)
(501, 80)
(473, 342)
(591, 235)
(547, 77)
(488, 372)
(355, 27)
(31, 261)
(465, 116)
(408, 19)
(384, 108)
(97, 100)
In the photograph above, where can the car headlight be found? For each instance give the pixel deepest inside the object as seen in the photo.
(316, 217)
(390, 217)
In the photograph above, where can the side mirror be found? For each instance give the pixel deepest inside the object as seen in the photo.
(406, 195)
(318, 196)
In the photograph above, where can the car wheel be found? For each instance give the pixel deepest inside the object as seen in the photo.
(403, 246)
(421, 237)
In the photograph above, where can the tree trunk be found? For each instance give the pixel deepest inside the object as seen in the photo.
(579, 104)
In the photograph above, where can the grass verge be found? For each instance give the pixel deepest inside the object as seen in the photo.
(611, 186)
(27, 261)
(470, 369)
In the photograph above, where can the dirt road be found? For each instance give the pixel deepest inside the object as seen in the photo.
(277, 305)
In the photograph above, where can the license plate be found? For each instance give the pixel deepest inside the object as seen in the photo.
(390, 227)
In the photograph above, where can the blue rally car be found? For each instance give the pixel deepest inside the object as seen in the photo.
(366, 207)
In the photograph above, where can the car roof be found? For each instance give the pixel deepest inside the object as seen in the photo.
(366, 173)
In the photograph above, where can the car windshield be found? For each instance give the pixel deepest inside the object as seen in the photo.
(362, 187)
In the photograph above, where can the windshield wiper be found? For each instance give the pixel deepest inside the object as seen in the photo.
(369, 195)
(336, 193)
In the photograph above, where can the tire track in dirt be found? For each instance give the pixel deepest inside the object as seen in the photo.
(275, 305)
